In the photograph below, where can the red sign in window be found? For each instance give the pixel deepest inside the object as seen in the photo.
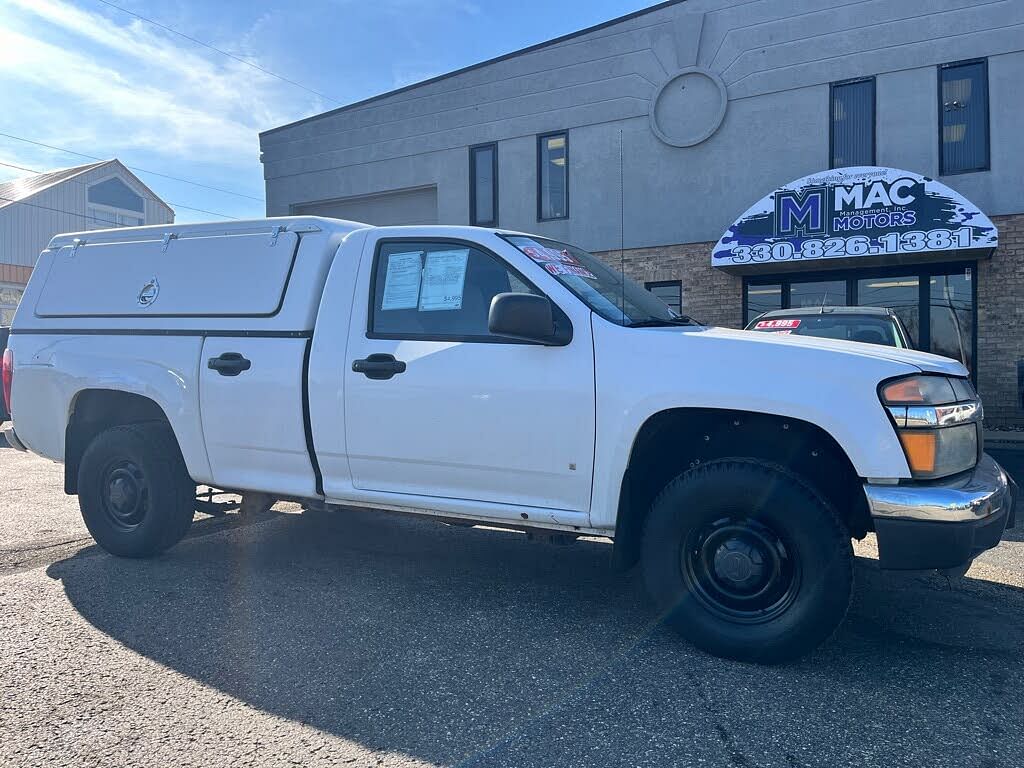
(772, 325)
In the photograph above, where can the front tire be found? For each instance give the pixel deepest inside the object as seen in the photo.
(133, 489)
(747, 561)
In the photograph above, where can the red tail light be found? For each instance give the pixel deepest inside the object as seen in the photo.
(8, 377)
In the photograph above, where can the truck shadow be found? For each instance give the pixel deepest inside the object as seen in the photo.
(461, 645)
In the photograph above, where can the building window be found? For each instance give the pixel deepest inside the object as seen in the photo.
(101, 217)
(852, 127)
(10, 295)
(112, 203)
(483, 185)
(963, 117)
(670, 292)
(761, 299)
(553, 176)
(937, 303)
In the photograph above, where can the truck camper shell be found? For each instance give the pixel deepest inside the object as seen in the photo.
(260, 275)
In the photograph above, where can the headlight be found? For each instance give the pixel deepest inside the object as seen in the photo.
(938, 420)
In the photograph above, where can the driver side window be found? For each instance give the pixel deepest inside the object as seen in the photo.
(437, 290)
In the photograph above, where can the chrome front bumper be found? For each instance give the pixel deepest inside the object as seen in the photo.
(983, 493)
(943, 524)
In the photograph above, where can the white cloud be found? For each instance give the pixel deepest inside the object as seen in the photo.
(131, 86)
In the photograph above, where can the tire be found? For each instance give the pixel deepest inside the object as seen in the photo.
(133, 489)
(747, 562)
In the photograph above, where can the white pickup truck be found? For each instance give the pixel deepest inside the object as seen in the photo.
(482, 376)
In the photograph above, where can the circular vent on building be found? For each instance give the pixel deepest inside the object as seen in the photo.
(688, 107)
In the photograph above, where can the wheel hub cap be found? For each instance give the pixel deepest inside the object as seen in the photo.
(740, 569)
(739, 564)
(125, 494)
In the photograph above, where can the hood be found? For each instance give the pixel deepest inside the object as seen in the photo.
(924, 361)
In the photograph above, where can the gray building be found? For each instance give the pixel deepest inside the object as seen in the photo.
(655, 132)
(33, 209)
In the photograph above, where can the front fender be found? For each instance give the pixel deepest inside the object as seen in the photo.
(643, 372)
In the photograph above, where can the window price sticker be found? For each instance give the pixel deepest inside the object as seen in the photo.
(556, 268)
(402, 281)
(444, 279)
(542, 255)
(780, 324)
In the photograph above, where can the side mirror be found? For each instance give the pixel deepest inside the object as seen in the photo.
(523, 316)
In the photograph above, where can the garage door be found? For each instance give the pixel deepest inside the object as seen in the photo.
(406, 206)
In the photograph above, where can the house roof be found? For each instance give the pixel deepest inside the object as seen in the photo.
(20, 190)
(471, 67)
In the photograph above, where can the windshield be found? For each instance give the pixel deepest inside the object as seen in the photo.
(618, 299)
(862, 328)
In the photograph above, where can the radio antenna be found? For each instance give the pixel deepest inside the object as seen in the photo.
(622, 236)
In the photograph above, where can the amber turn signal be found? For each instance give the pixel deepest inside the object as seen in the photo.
(920, 447)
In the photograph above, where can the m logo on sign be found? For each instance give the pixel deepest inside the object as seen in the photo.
(800, 212)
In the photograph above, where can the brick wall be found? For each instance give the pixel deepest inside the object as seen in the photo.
(709, 295)
(1001, 324)
(14, 273)
(715, 298)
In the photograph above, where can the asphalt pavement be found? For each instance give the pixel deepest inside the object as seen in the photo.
(360, 638)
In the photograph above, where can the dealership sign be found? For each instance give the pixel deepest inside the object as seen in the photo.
(855, 212)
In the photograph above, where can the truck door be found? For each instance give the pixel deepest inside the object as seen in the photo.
(439, 407)
(251, 393)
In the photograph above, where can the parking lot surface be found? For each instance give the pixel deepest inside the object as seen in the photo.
(357, 638)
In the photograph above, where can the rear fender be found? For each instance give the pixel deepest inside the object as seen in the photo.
(163, 369)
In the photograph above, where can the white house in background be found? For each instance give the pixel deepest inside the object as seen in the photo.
(33, 209)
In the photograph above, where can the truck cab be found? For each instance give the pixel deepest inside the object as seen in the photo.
(486, 376)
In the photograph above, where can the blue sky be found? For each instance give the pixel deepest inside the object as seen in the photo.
(88, 77)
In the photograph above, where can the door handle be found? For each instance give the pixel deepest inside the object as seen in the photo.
(378, 366)
(229, 364)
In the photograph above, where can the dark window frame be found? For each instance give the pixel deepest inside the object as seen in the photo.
(831, 117)
(474, 220)
(104, 183)
(667, 284)
(371, 307)
(987, 166)
(922, 271)
(541, 138)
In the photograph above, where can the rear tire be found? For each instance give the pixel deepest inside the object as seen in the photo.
(747, 561)
(133, 489)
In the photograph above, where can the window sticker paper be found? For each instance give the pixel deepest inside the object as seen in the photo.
(402, 281)
(444, 278)
(543, 254)
(558, 268)
(535, 252)
(793, 322)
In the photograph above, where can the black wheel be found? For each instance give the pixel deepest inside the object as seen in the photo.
(134, 492)
(747, 562)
